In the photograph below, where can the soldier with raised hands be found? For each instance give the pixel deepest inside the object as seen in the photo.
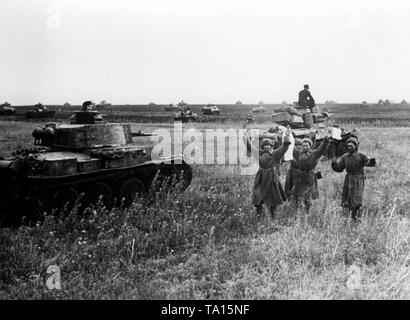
(267, 188)
(353, 188)
(304, 178)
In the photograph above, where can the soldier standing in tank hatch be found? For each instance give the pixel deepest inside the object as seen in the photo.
(87, 106)
(305, 98)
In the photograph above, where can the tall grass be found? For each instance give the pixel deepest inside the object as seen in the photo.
(206, 242)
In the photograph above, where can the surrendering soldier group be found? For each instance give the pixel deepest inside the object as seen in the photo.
(301, 186)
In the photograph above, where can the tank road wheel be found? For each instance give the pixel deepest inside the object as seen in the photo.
(130, 189)
(65, 198)
(36, 204)
(95, 192)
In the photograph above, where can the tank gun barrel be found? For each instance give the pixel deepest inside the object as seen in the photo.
(142, 134)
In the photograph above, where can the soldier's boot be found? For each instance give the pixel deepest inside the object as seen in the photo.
(345, 210)
(272, 212)
(307, 204)
(356, 213)
(259, 211)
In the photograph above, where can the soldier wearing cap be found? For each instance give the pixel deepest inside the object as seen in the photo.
(305, 98)
(353, 188)
(304, 177)
(267, 187)
(87, 106)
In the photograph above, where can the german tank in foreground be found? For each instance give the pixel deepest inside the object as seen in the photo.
(98, 160)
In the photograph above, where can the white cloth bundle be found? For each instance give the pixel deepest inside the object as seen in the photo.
(289, 153)
(336, 133)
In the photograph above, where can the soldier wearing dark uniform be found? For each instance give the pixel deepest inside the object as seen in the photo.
(267, 187)
(353, 188)
(304, 177)
(305, 98)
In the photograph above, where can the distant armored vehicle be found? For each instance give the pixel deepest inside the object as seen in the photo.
(185, 114)
(40, 111)
(210, 109)
(259, 109)
(98, 160)
(7, 110)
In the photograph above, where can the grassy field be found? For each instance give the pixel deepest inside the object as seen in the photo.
(207, 242)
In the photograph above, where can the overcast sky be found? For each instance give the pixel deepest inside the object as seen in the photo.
(203, 51)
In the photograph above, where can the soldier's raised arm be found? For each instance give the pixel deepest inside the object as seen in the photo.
(319, 151)
(250, 147)
(280, 152)
(296, 153)
(366, 161)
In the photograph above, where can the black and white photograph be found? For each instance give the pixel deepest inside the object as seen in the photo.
(204, 150)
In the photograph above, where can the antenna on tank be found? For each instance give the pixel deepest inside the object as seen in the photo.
(109, 95)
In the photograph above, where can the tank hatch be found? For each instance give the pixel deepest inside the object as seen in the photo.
(83, 136)
(86, 117)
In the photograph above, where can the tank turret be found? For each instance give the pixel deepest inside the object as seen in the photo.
(83, 136)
